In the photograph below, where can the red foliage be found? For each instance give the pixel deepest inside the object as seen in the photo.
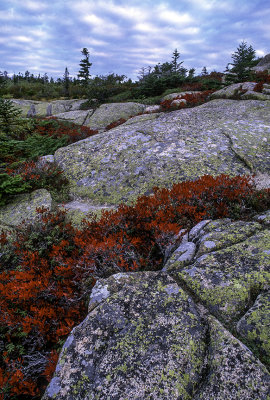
(192, 86)
(114, 124)
(57, 128)
(262, 76)
(50, 267)
(258, 87)
(192, 100)
(39, 175)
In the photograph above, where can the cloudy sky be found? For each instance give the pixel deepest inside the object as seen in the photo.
(123, 36)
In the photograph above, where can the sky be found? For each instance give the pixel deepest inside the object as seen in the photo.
(124, 36)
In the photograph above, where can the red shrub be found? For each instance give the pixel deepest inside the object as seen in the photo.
(57, 128)
(262, 76)
(192, 86)
(114, 124)
(192, 100)
(258, 87)
(39, 175)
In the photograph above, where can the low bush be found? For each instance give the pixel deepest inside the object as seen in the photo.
(192, 100)
(114, 124)
(20, 171)
(49, 268)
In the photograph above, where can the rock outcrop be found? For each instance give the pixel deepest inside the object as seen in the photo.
(243, 91)
(23, 207)
(221, 136)
(33, 108)
(263, 65)
(172, 96)
(108, 113)
(197, 330)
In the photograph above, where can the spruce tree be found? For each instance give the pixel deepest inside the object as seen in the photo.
(66, 83)
(243, 59)
(9, 115)
(204, 71)
(85, 66)
(174, 63)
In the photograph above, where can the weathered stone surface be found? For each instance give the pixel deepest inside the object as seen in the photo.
(141, 118)
(178, 102)
(263, 65)
(232, 371)
(150, 109)
(243, 90)
(251, 95)
(80, 117)
(24, 207)
(45, 108)
(43, 160)
(183, 255)
(108, 113)
(226, 279)
(221, 136)
(264, 218)
(144, 338)
(77, 211)
(255, 324)
(232, 90)
(174, 95)
(223, 233)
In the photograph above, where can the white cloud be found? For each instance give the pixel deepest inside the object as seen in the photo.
(173, 16)
(34, 5)
(260, 53)
(210, 5)
(102, 26)
(146, 27)
(95, 42)
(23, 39)
(137, 14)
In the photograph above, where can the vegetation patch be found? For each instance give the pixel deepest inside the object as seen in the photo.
(49, 268)
(22, 142)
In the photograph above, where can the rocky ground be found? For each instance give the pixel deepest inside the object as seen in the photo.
(198, 329)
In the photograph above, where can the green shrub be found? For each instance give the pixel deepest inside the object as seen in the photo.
(9, 115)
(120, 97)
(10, 186)
(36, 145)
(170, 91)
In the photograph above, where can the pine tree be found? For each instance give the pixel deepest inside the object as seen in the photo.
(204, 71)
(174, 63)
(243, 59)
(9, 115)
(191, 73)
(85, 66)
(66, 82)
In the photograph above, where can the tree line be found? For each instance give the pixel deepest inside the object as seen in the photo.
(152, 81)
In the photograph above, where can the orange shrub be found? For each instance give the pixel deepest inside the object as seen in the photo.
(192, 100)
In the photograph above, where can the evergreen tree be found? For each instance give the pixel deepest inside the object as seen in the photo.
(66, 83)
(174, 63)
(9, 115)
(45, 78)
(204, 71)
(191, 73)
(27, 75)
(243, 59)
(142, 73)
(85, 66)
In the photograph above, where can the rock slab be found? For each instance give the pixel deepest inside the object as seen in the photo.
(176, 334)
(221, 136)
